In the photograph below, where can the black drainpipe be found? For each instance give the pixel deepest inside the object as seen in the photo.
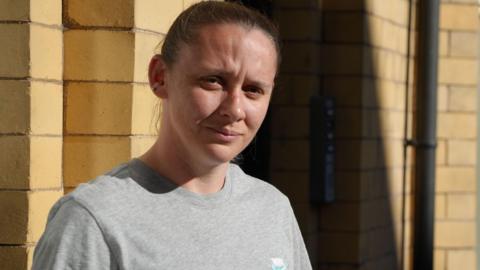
(425, 134)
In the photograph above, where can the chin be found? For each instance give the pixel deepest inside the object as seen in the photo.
(219, 154)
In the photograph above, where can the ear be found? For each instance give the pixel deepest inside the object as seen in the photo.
(156, 76)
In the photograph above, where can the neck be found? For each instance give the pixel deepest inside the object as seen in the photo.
(168, 161)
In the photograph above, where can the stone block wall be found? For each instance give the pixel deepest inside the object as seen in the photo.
(74, 100)
(456, 200)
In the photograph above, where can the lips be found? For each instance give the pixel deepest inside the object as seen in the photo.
(225, 134)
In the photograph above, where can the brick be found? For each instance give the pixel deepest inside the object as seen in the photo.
(14, 50)
(14, 162)
(30, 250)
(461, 206)
(440, 206)
(443, 43)
(145, 45)
(462, 99)
(305, 59)
(46, 105)
(384, 64)
(454, 234)
(390, 152)
(306, 27)
(340, 217)
(375, 213)
(290, 122)
(456, 125)
(289, 155)
(462, 152)
(295, 185)
(342, 59)
(39, 204)
(441, 152)
(457, 71)
(348, 186)
(99, 55)
(349, 122)
(45, 162)
(356, 154)
(397, 10)
(30, 162)
(14, 257)
(307, 218)
(31, 107)
(372, 185)
(46, 11)
(282, 95)
(14, 221)
(341, 5)
(140, 144)
(46, 58)
(381, 262)
(86, 157)
(188, 3)
(380, 242)
(297, 4)
(440, 257)
(383, 33)
(156, 15)
(15, 106)
(464, 44)
(461, 259)
(296, 89)
(146, 108)
(351, 23)
(442, 98)
(109, 13)
(458, 17)
(99, 108)
(14, 10)
(337, 247)
(386, 93)
(391, 123)
(455, 179)
(347, 91)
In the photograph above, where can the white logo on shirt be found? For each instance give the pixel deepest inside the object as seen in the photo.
(278, 264)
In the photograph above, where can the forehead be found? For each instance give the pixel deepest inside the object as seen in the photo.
(229, 38)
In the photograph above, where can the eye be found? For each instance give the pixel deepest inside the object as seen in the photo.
(211, 82)
(253, 91)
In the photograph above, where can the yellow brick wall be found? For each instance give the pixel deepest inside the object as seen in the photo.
(75, 102)
(109, 108)
(456, 202)
(363, 63)
(31, 91)
(298, 80)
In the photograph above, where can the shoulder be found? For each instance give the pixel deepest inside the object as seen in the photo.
(105, 188)
(253, 188)
(103, 196)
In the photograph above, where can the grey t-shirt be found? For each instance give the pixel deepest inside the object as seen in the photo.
(132, 218)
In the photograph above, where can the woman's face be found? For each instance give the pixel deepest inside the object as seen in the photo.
(217, 93)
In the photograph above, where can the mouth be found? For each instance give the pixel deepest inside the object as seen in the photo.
(224, 134)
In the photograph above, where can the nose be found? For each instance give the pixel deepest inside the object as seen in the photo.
(232, 107)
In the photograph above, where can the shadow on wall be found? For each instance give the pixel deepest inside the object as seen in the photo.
(360, 59)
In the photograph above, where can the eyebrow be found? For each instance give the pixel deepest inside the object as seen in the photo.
(224, 73)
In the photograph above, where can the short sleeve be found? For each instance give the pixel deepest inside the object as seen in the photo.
(72, 240)
(300, 255)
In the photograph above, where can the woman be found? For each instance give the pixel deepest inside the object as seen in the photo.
(183, 205)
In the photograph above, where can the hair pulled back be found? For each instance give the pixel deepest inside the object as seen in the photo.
(185, 28)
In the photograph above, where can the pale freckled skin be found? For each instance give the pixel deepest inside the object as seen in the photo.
(214, 97)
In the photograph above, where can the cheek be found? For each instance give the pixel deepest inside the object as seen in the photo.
(255, 114)
(203, 103)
